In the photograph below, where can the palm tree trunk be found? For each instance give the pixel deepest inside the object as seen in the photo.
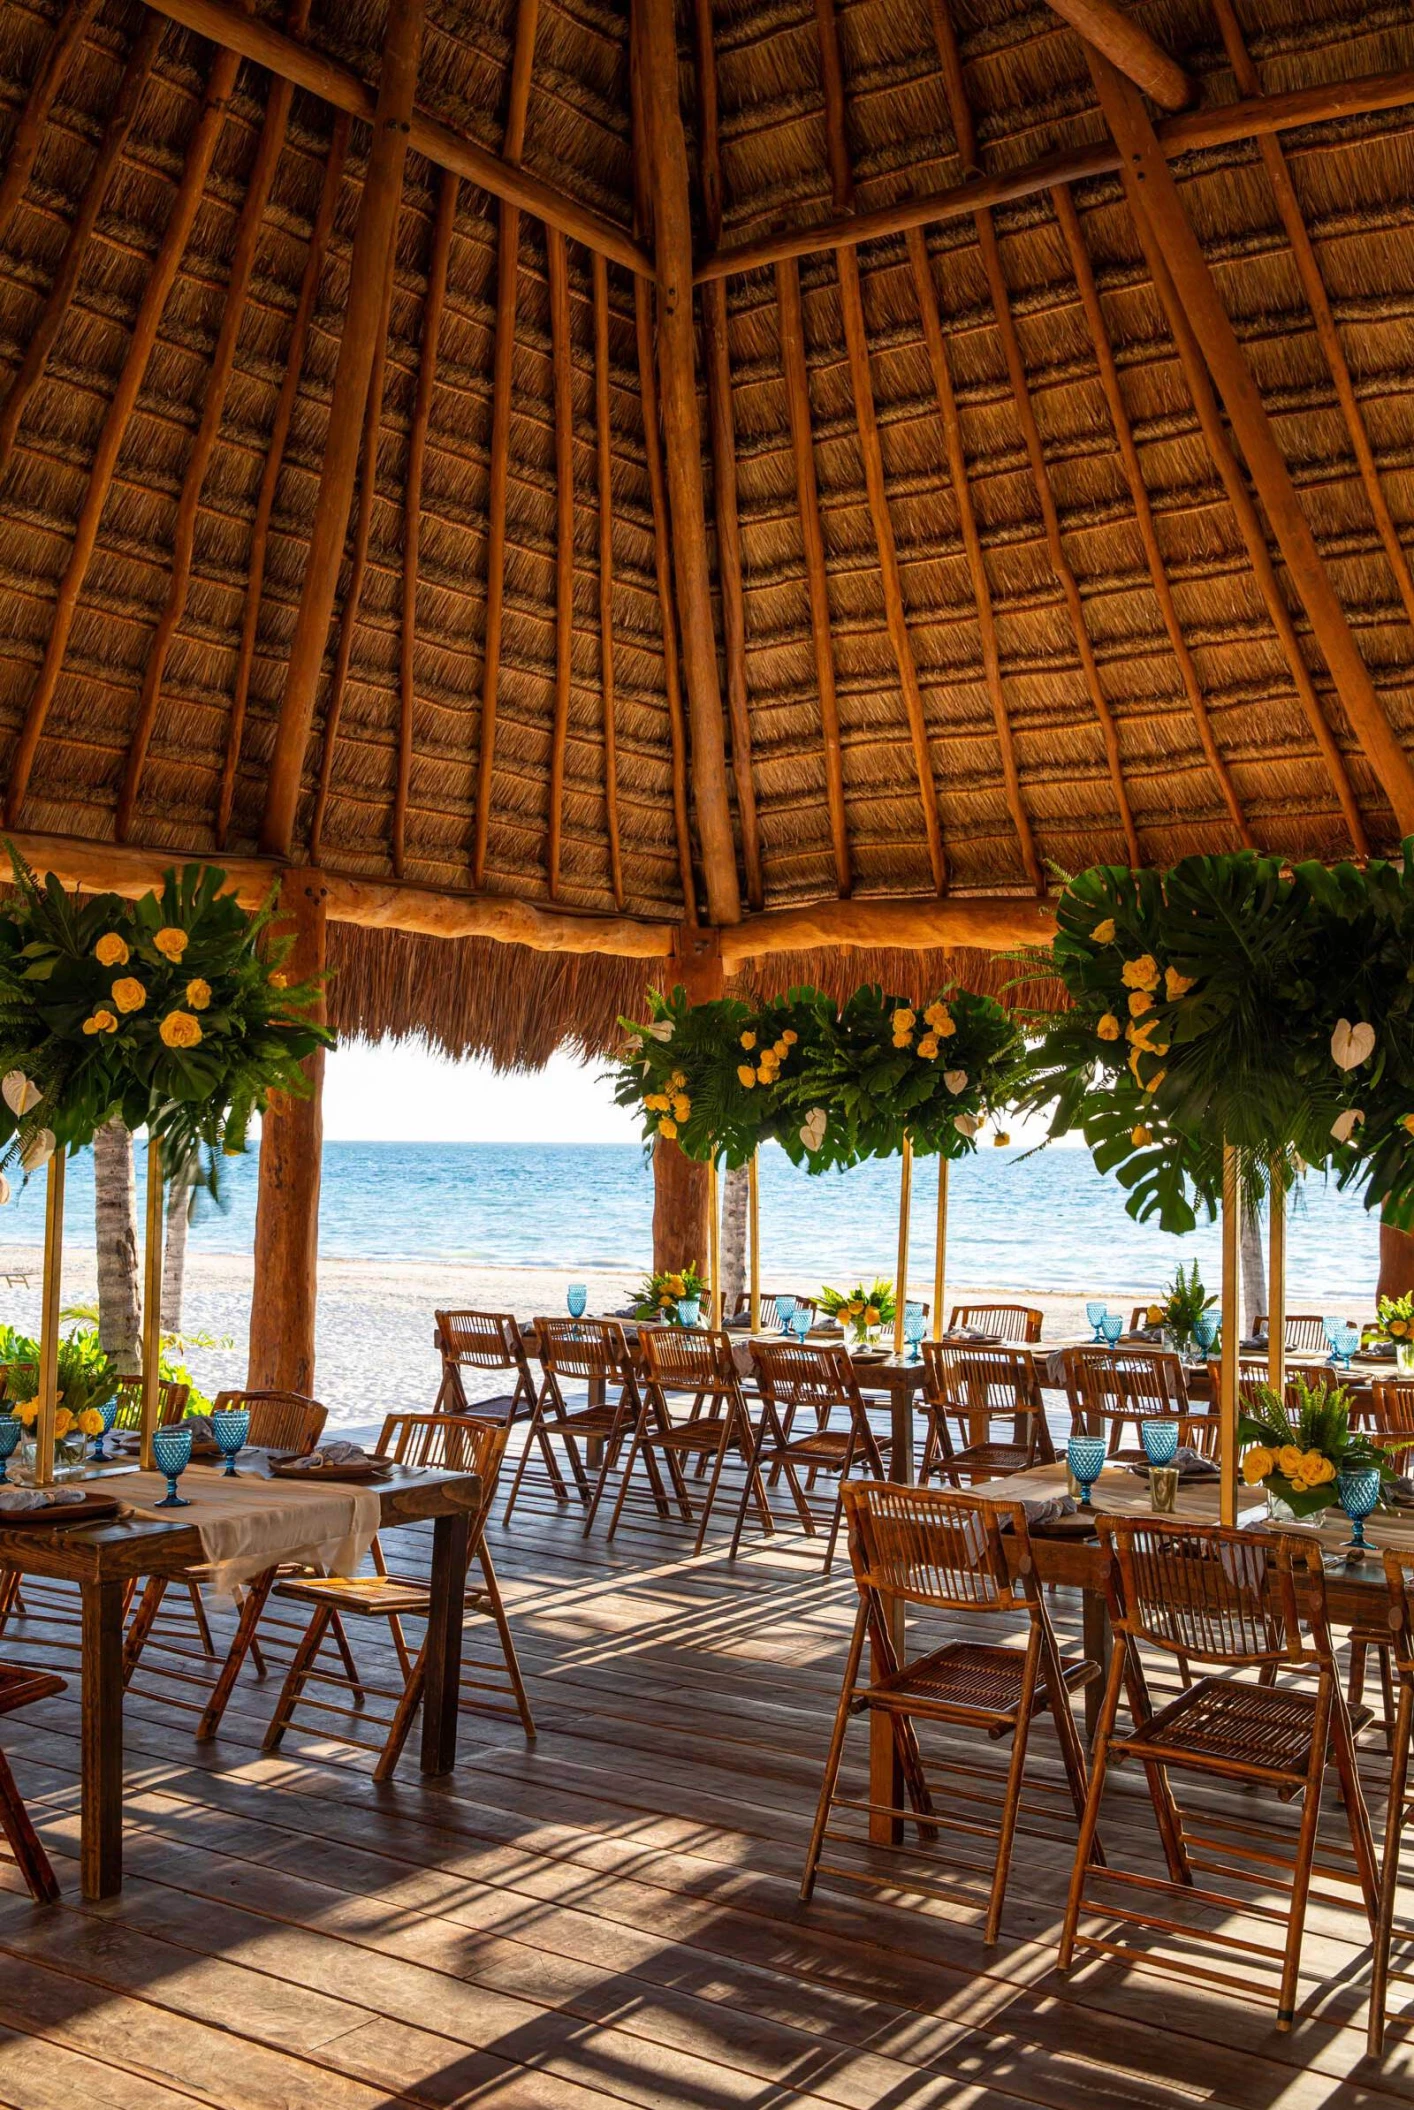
(735, 1188)
(1254, 1267)
(174, 1252)
(115, 1227)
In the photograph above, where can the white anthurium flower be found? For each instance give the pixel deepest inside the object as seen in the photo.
(812, 1132)
(955, 1080)
(967, 1124)
(1344, 1125)
(19, 1094)
(38, 1150)
(661, 1029)
(1352, 1045)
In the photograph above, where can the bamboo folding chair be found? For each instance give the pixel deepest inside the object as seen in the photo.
(1387, 1417)
(461, 1443)
(1010, 1322)
(279, 1421)
(692, 1360)
(172, 1400)
(1225, 1597)
(793, 1376)
(594, 1352)
(942, 1549)
(1399, 1570)
(1304, 1332)
(972, 1387)
(19, 1686)
(482, 1340)
(1108, 1389)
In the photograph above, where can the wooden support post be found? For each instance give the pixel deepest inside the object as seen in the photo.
(604, 451)
(373, 240)
(1232, 1331)
(51, 1292)
(680, 1205)
(753, 1232)
(940, 1254)
(1276, 1276)
(1130, 48)
(1396, 1277)
(905, 1210)
(152, 1257)
(561, 361)
(1153, 197)
(714, 1243)
(282, 1312)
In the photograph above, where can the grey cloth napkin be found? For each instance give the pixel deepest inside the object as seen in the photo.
(338, 1451)
(1044, 1509)
(17, 1498)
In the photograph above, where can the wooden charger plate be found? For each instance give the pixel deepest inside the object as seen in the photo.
(292, 1469)
(94, 1509)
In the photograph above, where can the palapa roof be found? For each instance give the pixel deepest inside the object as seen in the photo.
(970, 495)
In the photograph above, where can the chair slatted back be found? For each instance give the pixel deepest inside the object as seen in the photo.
(688, 1358)
(1151, 1381)
(1013, 1322)
(479, 1340)
(1389, 1417)
(808, 1375)
(279, 1421)
(933, 1546)
(454, 1443)
(586, 1348)
(1304, 1331)
(172, 1400)
(980, 1383)
(1213, 1593)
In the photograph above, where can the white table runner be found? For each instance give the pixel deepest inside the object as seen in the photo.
(249, 1523)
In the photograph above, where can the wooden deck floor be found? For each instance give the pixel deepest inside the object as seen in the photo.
(610, 1917)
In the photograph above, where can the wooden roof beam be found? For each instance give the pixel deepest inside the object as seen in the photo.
(603, 447)
(557, 271)
(337, 84)
(29, 129)
(995, 923)
(1255, 117)
(374, 238)
(1128, 47)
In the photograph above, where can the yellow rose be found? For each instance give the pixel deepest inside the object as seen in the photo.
(1319, 1469)
(27, 1411)
(790, 1037)
(1104, 933)
(1398, 1328)
(678, 1080)
(1108, 1028)
(745, 1074)
(681, 1109)
(1256, 1464)
(765, 1076)
(1141, 1135)
(946, 1026)
(1406, 1122)
(667, 1128)
(904, 1020)
(1176, 984)
(748, 1040)
(854, 1307)
(928, 1047)
(91, 1422)
(903, 1040)
(675, 1284)
(110, 951)
(180, 1030)
(198, 994)
(1139, 1002)
(935, 1014)
(1290, 1461)
(171, 942)
(91, 1025)
(1154, 1316)
(129, 994)
(105, 1022)
(871, 1315)
(63, 1422)
(1142, 973)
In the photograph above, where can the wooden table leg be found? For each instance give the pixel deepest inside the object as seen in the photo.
(1097, 1641)
(101, 1845)
(450, 1544)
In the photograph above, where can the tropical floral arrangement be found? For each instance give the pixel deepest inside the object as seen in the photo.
(87, 1379)
(1184, 1302)
(860, 1310)
(658, 1296)
(1235, 999)
(1395, 1319)
(832, 1084)
(1300, 1455)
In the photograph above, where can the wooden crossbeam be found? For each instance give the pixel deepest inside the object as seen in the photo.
(62, 49)
(1153, 196)
(201, 146)
(274, 462)
(442, 231)
(992, 924)
(603, 437)
(560, 358)
(373, 241)
(1128, 47)
(1254, 117)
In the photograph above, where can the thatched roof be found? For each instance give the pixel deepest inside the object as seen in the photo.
(1154, 652)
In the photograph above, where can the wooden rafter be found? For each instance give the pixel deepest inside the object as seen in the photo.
(218, 380)
(1153, 197)
(1253, 118)
(40, 341)
(62, 50)
(373, 241)
(274, 462)
(791, 323)
(200, 149)
(502, 383)
(433, 306)
(562, 363)
(1074, 239)
(1130, 48)
(972, 546)
(603, 442)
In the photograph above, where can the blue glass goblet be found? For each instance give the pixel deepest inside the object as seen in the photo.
(171, 1453)
(785, 1312)
(1205, 1330)
(230, 1428)
(1085, 1455)
(1159, 1438)
(109, 1411)
(800, 1322)
(915, 1325)
(1094, 1313)
(689, 1311)
(1330, 1328)
(577, 1299)
(1359, 1491)
(1112, 1326)
(11, 1430)
(1347, 1340)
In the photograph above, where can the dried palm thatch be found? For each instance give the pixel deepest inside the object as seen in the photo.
(997, 590)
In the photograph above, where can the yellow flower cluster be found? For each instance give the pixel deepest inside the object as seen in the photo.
(1304, 1469)
(110, 951)
(180, 1030)
(171, 942)
(102, 1021)
(673, 1106)
(768, 1065)
(673, 1289)
(937, 1018)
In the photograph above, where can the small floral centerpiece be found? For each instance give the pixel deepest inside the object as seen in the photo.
(1184, 1303)
(1303, 1457)
(860, 1311)
(1395, 1323)
(659, 1296)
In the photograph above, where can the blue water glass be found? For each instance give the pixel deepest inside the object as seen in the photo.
(1347, 1340)
(231, 1430)
(1331, 1327)
(915, 1325)
(1359, 1491)
(11, 1431)
(1094, 1314)
(171, 1452)
(800, 1320)
(785, 1312)
(1085, 1455)
(577, 1299)
(1111, 1327)
(109, 1411)
(1205, 1330)
(689, 1311)
(1159, 1438)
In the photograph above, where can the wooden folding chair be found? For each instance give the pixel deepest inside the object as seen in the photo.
(172, 1400)
(1110, 1389)
(482, 1340)
(460, 1443)
(1226, 1597)
(18, 1687)
(1304, 1332)
(942, 1549)
(819, 1380)
(1398, 1573)
(698, 1362)
(594, 1352)
(1010, 1322)
(972, 1387)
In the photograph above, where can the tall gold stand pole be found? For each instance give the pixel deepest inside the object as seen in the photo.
(753, 1232)
(905, 1204)
(940, 1254)
(1276, 1278)
(49, 1320)
(152, 1299)
(1232, 1326)
(714, 1242)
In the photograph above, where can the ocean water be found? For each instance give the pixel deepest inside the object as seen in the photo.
(1023, 1221)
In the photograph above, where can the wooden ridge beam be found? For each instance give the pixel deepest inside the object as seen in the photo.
(1128, 47)
(201, 146)
(992, 923)
(374, 238)
(334, 83)
(1254, 117)
(603, 448)
(1153, 197)
(563, 371)
(274, 462)
(29, 129)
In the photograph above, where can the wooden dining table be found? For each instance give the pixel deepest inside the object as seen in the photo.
(103, 1558)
